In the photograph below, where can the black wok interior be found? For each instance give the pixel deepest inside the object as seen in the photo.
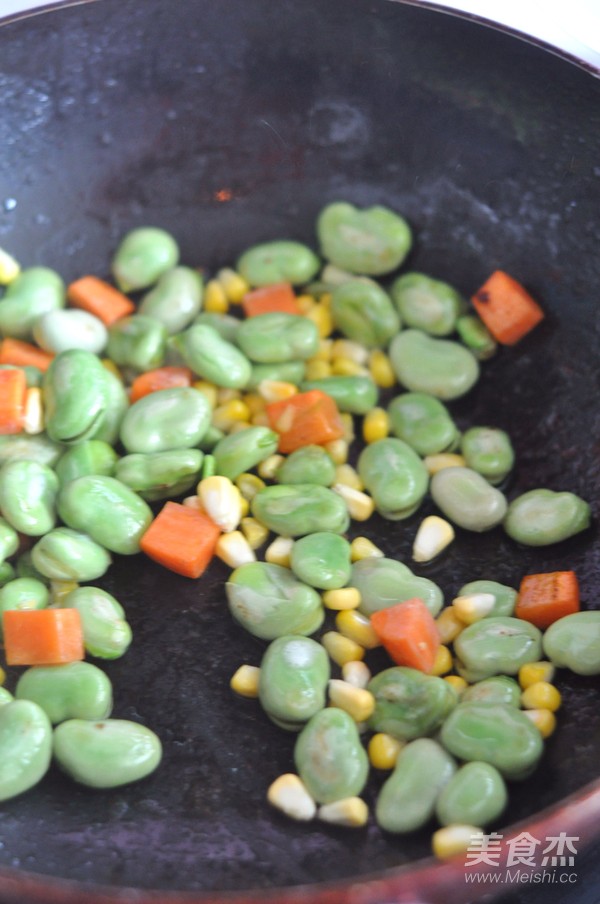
(120, 113)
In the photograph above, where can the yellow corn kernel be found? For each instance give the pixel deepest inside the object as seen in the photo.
(443, 661)
(2, 675)
(249, 485)
(376, 425)
(441, 460)
(215, 298)
(289, 794)
(543, 719)
(349, 476)
(356, 701)
(348, 425)
(305, 303)
(449, 624)
(9, 268)
(345, 598)
(383, 750)
(255, 533)
(363, 548)
(110, 365)
(260, 419)
(348, 348)
(233, 549)
(227, 394)
(356, 672)
(380, 368)
(341, 649)
(317, 369)
(350, 812)
(357, 627)
(541, 695)
(346, 367)
(433, 536)
(322, 319)
(268, 468)
(279, 552)
(224, 416)
(532, 672)
(193, 502)
(222, 501)
(457, 682)
(276, 390)
(338, 449)
(455, 839)
(33, 414)
(60, 589)
(244, 507)
(244, 681)
(326, 299)
(208, 390)
(473, 607)
(360, 505)
(238, 426)
(255, 402)
(323, 352)
(234, 285)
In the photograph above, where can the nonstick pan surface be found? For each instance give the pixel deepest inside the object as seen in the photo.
(229, 122)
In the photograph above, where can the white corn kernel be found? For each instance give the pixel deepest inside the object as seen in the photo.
(358, 702)
(276, 390)
(245, 680)
(193, 502)
(269, 466)
(360, 505)
(279, 552)
(455, 839)
(433, 536)
(33, 417)
(222, 501)
(473, 607)
(356, 672)
(288, 794)
(347, 348)
(351, 812)
(9, 268)
(234, 549)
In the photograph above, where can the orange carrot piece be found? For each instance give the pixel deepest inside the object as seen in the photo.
(544, 598)
(42, 636)
(160, 378)
(506, 308)
(99, 298)
(13, 391)
(23, 354)
(409, 633)
(305, 419)
(278, 297)
(182, 539)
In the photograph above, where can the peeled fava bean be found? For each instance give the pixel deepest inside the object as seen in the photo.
(292, 687)
(441, 367)
(407, 798)
(74, 396)
(28, 493)
(34, 292)
(395, 477)
(488, 451)
(64, 329)
(138, 342)
(475, 795)
(175, 299)
(174, 418)
(212, 357)
(308, 464)
(408, 703)
(505, 597)
(70, 555)
(106, 633)
(293, 511)
(497, 689)
(25, 746)
(354, 394)
(278, 337)
(543, 517)
(423, 422)
(322, 560)
(23, 593)
(372, 241)
(426, 304)
(278, 261)
(106, 753)
(574, 642)
(94, 456)
(363, 311)
(160, 475)
(9, 540)
(237, 453)
(75, 690)
(142, 257)
(497, 646)
(330, 758)
(468, 499)
(383, 582)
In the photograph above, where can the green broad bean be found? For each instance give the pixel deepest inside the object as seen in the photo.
(160, 475)
(286, 372)
(9, 540)
(496, 646)
(292, 684)
(93, 456)
(363, 311)
(330, 758)
(226, 326)
(25, 747)
(408, 703)
(106, 753)
(213, 358)
(426, 304)
(7, 573)
(542, 517)
(35, 292)
(383, 582)
(26, 569)
(28, 497)
(33, 375)
(175, 418)
(468, 499)
(23, 593)
(36, 447)
(475, 335)
(89, 504)
(476, 795)
(270, 602)
(501, 735)
(488, 451)
(75, 690)
(142, 257)
(408, 797)
(279, 261)
(74, 396)
(64, 329)
(574, 642)
(138, 342)
(322, 560)
(498, 689)
(354, 394)
(5, 696)
(424, 422)
(505, 597)
(175, 300)
(106, 632)
(278, 337)
(70, 555)
(440, 367)
(242, 451)
(395, 477)
(117, 403)
(308, 464)
(372, 241)
(210, 439)
(293, 511)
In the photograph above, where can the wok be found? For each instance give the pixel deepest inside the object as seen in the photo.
(229, 122)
